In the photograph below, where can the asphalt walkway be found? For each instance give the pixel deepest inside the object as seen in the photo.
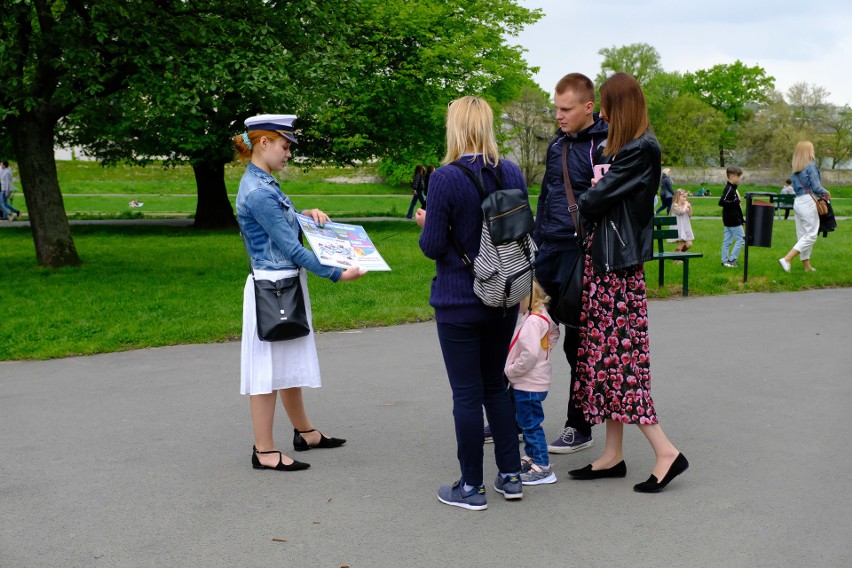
(142, 458)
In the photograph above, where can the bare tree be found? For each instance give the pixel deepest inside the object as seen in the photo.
(528, 122)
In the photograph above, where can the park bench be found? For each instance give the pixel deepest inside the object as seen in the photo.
(784, 201)
(661, 233)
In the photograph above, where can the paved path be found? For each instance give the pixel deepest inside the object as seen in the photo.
(142, 458)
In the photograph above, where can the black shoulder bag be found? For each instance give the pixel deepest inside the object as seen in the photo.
(279, 306)
(569, 305)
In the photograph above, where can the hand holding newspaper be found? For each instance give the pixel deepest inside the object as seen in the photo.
(342, 245)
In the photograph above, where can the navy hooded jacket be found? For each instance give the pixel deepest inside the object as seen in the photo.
(554, 228)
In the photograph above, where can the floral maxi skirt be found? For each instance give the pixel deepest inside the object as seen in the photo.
(613, 365)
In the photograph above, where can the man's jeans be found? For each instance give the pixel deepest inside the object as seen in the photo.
(734, 235)
(530, 414)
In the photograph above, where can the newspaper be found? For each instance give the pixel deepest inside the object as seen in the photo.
(341, 245)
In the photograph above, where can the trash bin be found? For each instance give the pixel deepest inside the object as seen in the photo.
(759, 217)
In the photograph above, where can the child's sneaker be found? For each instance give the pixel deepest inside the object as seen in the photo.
(526, 463)
(538, 475)
(510, 486)
(455, 495)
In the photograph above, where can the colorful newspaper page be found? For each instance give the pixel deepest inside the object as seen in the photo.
(341, 245)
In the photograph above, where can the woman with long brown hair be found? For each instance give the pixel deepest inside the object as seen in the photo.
(613, 368)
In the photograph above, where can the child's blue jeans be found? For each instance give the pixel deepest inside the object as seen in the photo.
(530, 414)
(734, 235)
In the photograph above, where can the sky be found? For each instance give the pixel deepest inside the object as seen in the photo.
(792, 41)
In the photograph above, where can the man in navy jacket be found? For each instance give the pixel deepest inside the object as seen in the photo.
(584, 133)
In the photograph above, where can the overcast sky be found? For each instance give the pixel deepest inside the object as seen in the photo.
(791, 41)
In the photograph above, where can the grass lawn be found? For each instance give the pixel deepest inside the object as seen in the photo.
(144, 286)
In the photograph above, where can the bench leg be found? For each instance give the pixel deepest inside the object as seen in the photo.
(662, 272)
(686, 277)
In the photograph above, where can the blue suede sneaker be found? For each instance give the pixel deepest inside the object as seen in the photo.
(510, 486)
(456, 496)
(569, 441)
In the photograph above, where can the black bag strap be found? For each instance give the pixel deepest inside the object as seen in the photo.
(477, 182)
(569, 193)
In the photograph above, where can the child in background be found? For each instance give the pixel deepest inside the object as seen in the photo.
(732, 218)
(528, 369)
(682, 210)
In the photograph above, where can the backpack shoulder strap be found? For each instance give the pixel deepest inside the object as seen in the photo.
(477, 181)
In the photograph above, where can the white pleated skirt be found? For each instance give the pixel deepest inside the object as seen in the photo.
(267, 366)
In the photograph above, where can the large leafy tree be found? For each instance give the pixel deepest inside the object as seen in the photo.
(368, 79)
(641, 60)
(54, 56)
(734, 89)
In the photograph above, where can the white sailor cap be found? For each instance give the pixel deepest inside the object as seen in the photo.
(280, 123)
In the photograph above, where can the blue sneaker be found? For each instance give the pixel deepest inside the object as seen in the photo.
(510, 486)
(569, 441)
(457, 497)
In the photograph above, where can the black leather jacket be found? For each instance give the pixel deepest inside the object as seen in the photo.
(621, 206)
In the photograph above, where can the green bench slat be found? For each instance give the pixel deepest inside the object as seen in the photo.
(660, 234)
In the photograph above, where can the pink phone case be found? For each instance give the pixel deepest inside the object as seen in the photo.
(599, 170)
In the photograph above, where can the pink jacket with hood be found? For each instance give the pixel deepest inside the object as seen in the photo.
(528, 365)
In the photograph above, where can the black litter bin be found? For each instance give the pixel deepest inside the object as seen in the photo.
(759, 219)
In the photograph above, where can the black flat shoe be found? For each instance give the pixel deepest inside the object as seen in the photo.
(653, 486)
(295, 466)
(301, 445)
(618, 470)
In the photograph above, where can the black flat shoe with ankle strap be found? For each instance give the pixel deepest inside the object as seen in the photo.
(301, 445)
(295, 466)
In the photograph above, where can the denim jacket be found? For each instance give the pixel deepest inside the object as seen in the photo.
(809, 176)
(267, 219)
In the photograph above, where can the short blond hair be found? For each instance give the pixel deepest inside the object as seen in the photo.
(539, 296)
(803, 155)
(470, 128)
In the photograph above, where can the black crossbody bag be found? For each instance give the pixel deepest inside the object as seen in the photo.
(279, 306)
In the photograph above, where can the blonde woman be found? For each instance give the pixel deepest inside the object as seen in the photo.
(807, 187)
(268, 222)
(474, 338)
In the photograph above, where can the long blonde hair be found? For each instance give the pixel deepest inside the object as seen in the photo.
(803, 155)
(470, 128)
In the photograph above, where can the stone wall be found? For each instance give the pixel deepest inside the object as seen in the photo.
(773, 178)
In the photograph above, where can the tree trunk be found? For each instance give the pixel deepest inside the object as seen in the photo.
(213, 210)
(33, 136)
(721, 156)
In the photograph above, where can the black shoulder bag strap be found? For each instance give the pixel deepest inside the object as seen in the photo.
(569, 193)
(808, 189)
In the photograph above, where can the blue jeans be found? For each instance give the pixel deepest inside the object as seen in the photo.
(6, 208)
(734, 235)
(475, 355)
(530, 414)
(418, 196)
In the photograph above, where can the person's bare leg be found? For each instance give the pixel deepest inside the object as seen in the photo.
(262, 418)
(664, 450)
(294, 405)
(791, 255)
(806, 264)
(613, 452)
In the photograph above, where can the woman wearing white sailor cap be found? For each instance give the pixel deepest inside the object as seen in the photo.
(268, 222)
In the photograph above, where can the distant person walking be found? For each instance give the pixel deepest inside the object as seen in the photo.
(418, 189)
(268, 223)
(807, 187)
(430, 169)
(666, 192)
(7, 189)
(613, 364)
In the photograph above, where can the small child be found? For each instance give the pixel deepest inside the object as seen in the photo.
(528, 369)
(732, 218)
(682, 210)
